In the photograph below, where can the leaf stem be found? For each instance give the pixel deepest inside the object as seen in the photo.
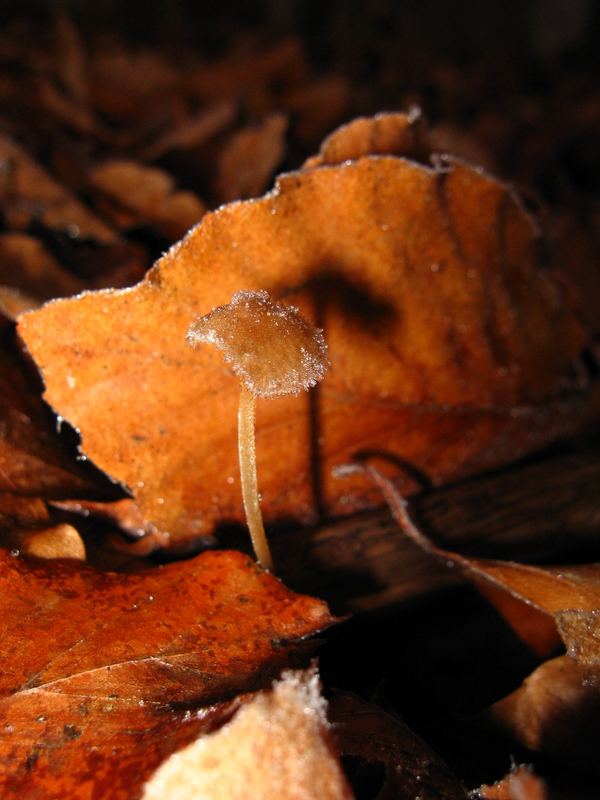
(247, 455)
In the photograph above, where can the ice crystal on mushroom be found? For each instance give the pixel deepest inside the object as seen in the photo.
(269, 345)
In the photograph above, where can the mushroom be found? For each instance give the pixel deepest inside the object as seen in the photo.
(274, 351)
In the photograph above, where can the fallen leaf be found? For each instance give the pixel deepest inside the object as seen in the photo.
(122, 514)
(580, 628)
(317, 106)
(31, 199)
(277, 745)
(535, 600)
(193, 131)
(26, 265)
(450, 347)
(137, 195)
(21, 510)
(386, 134)
(239, 73)
(556, 711)
(152, 83)
(70, 112)
(372, 737)
(576, 245)
(521, 783)
(70, 57)
(58, 541)
(557, 708)
(248, 159)
(104, 675)
(29, 194)
(14, 302)
(34, 461)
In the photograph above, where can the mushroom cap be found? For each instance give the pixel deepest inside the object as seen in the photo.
(270, 346)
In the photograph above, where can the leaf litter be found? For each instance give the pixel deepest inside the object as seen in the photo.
(81, 92)
(556, 710)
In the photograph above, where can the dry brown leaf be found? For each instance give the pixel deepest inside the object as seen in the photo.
(577, 245)
(276, 746)
(533, 599)
(14, 302)
(317, 106)
(104, 675)
(128, 530)
(70, 57)
(135, 194)
(410, 768)
(68, 111)
(193, 131)
(449, 345)
(58, 541)
(237, 74)
(19, 510)
(25, 264)
(555, 711)
(249, 158)
(29, 194)
(580, 631)
(34, 462)
(386, 134)
(151, 88)
(521, 783)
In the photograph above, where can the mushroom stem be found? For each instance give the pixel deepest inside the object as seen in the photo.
(247, 455)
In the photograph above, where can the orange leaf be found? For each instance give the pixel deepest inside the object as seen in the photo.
(521, 783)
(105, 674)
(555, 711)
(449, 345)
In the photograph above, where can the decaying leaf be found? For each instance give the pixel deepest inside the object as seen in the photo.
(555, 711)
(521, 783)
(450, 347)
(28, 193)
(26, 265)
(384, 134)
(318, 106)
(277, 745)
(135, 194)
(409, 767)
(32, 199)
(34, 463)
(566, 597)
(119, 515)
(104, 674)
(57, 541)
(249, 158)
(193, 131)
(242, 72)
(557, 708)
(14, 302)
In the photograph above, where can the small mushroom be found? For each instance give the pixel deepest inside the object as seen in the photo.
(274, 351)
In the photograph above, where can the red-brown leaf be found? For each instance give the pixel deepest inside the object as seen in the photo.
(105, 674)
(449, 345)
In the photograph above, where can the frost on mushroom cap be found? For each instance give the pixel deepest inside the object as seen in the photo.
(271, 347)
